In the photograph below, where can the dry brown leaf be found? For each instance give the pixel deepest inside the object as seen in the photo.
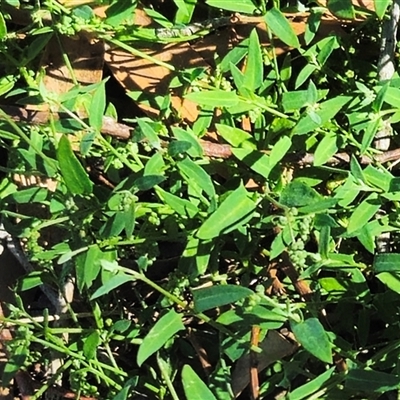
(86, 58)
(275, 347)
(138, 74)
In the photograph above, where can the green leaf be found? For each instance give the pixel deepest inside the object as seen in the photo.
(75, 177)
(292, 101)
(304, 74)
(313, 23)
(391, 280)
(256, 160)
(182, 206)
(120, 12)
(236, 137)
(369, 135)
(326, 112)
(380, 97)
(324, 241)
(196, 150)
(217, 296)
(234, 211)
(159, 334)
(369, 381)
(97, 106)
(305, 391)
(381, 7)
(312, 336)
(193, 386)
(281, 27)
(215, 98)
(194, 173)
(341, 8)
(90, 345)
(363, 213)
(240, 6)
(114, 282)
(178, 147)
(155, 166)
(3, 27)
(88, 270)
(15, 362)
(147, 182)
(149, 133)
(326, 148)
(253, 74)
(386, 262)
(298, 194)
(234, 56)
(279, 151)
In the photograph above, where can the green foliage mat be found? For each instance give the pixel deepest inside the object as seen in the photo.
(187, 258)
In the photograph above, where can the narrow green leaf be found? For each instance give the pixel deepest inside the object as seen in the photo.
(182, 206)
(386, 262)
(363, 213)
(90, 345)
(279, 151)
(381, 7)
(14, 363)
(75, 177)
(304, 74)
(120, 11)
(159, 334)
(193, 172)
(92, 264)
(234, 56)
(193, 386)
(286, 68)
(356, 170)
(147, 182)
(196, 150)
(281, 27)
(369, 135)
(149, 133)
(312, 336)
(326, 112)
(178, 148)
(215, 98)
(380, 97)
(240, 6)
(298, 194)
(369, 381)
(313, 22)
(391, 280)
(234, 210)
(236, 137)
(341, 8)
(306, 390)
(155, 166)
(217, 296)
(326, 148)
(130, 219)
(256, 160)
(113, 283)
(324, 241)
(292, 101)
(3, 27)
(97, 106)
(253, 74)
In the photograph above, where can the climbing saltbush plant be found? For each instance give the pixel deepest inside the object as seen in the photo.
(199, 251)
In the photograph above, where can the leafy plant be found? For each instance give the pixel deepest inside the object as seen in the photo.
(181, 248)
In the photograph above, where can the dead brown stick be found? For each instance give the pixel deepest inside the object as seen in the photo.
(253, 367)
(216, 150)
(110, 126)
